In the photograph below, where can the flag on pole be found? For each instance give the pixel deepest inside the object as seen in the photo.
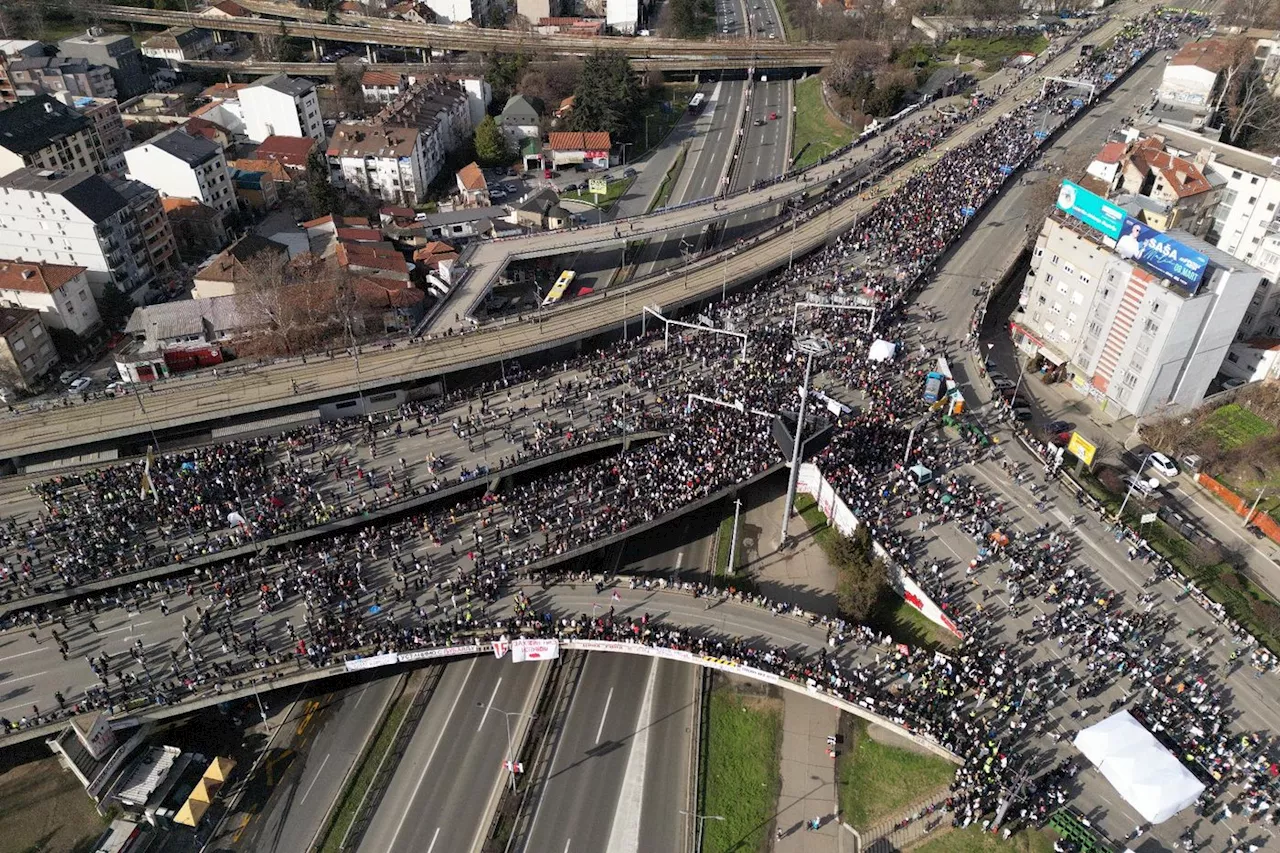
(615, 596)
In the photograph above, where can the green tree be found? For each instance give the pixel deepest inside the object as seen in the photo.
(491, 145)
(607, 97)
(114, 306)
(860, 576)
(503, 71)
(322, 194)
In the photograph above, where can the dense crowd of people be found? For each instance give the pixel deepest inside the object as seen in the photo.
(471, 570)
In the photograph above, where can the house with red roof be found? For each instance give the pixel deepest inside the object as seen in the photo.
(60, 292)
(571, 148)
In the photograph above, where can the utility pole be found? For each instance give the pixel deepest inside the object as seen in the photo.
(1249, 516)
(808, 347)
(733, 543)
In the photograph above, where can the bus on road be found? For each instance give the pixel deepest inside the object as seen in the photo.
(556, 293)
(697, 102)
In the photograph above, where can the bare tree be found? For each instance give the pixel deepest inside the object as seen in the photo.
(1247, 14)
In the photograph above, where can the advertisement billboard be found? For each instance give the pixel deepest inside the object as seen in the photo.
(1093, 210)
(1161, 254)
(1079, 447)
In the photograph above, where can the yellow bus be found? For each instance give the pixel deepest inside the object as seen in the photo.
(556, 293)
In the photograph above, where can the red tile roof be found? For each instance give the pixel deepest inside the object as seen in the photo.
(1112, 152)
(360, 235)
(1210, 54)
(596, 140)
(381, 78)
(36, 278)
(472, 178)
(292, 151)
(381, 256)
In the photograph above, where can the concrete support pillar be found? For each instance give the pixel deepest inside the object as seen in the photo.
(369, 53)
(315, 50)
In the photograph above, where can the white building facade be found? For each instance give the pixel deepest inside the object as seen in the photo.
(1129, 339)
(277, 105)
(183, 166)
(385, 162)
(60, 293)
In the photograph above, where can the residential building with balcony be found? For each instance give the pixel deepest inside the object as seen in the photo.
(117, 52)
(45, 134)
(382, 161)
(26, 351)
(184, 166)
(52, 75)
(177, 45)
(108, 127)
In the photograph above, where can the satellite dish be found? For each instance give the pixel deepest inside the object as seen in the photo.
(1153, 483)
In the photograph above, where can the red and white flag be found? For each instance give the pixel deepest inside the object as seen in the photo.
(615, 596)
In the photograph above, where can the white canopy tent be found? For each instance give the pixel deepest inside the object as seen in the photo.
(882, 350)
(1148, 776)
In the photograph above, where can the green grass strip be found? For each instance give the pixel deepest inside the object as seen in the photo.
(972, 839)
(744, 734)
(877, 781)
(815, 125)
(350, 799)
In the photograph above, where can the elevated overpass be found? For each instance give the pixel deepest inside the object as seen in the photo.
(674, 65)
(379, 32)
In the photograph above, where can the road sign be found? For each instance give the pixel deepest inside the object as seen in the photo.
(1148, 518)
(598, 186)
(1081, 448)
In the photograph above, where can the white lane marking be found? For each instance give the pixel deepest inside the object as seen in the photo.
(566, 845)
(434, 836)
(124, 628)
(607, 700)
(22, 654)
(624, 834)
(25, 677)
(426, 765)
(360, 698)
(315, 780)
(488, 705)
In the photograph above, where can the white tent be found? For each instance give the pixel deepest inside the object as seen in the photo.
(882, 350)
(1147, 775)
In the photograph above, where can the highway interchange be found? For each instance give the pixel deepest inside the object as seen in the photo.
(610, 784)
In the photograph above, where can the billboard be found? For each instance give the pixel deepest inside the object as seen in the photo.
(1161, 254)
(1080, 448)
(1093, 210)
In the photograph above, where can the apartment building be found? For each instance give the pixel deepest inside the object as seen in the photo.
(184, 166)
(51, 75)
(177, 45)
(117, 52)
(45, 134)
(26, 352)
(108, 128)
(114, 228)
(277, 105)
(382, 161)
(440, 111)
(1138, 320)
(60, 292)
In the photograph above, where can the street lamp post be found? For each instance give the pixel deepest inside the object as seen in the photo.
(733, 543)
(1134, 482)
(511, 755)
(808, 347)
(1249, 516)
(699, 820)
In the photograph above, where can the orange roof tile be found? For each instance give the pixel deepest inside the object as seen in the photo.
(472, 178)
(36, 278)
(595, 140)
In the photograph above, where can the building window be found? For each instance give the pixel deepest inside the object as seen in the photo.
(1233, 358)
(1129, 380)
(19, 345)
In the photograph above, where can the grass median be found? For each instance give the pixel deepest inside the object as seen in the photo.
(614, 191)
(817, 131)
(972, 839)
(348, 805)
(878, 780)
(741, 767)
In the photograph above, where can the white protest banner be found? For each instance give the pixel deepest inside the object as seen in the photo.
(534, 650)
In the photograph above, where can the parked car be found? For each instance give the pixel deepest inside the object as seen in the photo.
(1146, 486)
(1192, 462)
(629, 172)
(68, 376)
(1256, 531)
(1057, 426)
(79, 385)
(1233, 383)
(117, 389)
(1021, 413)
(1164, 465)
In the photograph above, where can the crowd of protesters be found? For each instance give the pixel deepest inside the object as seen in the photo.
(391, 587)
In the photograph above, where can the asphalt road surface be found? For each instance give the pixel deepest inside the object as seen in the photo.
(620, 773)
(325, 742)
(443, 792)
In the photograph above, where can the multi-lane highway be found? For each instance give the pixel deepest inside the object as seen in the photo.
(620, 773)
(450, 777)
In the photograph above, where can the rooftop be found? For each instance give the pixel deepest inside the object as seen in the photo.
(1111, 153)
(192, 150)
(185, 317)
(370, 140)
(89, 193)
(189, 208)
(229, 7)
(1228, 155)
(597, 140)
(290, 150)
(177, 37)
(31, 125)
(471, 178)
(381, 78)
(1210, 54)
(36, 278)
(292, 86)
(11, 317)
(229, 264)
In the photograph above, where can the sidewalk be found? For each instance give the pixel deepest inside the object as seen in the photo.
(800, 574)
(808, 777)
